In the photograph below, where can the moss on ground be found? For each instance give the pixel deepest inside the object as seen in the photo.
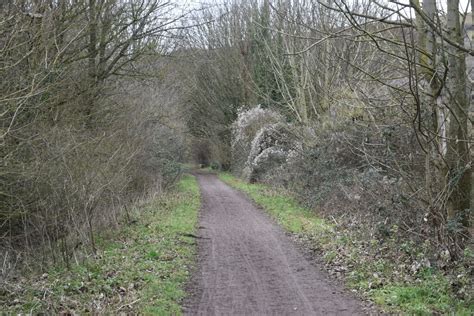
(140, 268)
(425, 292)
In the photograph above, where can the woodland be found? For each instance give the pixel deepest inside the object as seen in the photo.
(361, 109)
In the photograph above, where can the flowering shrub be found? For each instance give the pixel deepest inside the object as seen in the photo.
(249, 122)
(269, 149)
(261, 143)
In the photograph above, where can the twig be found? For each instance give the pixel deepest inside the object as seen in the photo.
(128, 304)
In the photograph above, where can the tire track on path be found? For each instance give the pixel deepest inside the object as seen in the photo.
(248, 266)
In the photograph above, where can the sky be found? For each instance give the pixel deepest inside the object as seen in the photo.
(443, 3)
(196, 3)
(464, 5)
(186, 5)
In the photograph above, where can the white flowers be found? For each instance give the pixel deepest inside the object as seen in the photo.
(266, 144)
(250, 121)
(260, 142)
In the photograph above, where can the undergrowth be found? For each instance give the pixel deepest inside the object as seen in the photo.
(140, 268)
(361, 262)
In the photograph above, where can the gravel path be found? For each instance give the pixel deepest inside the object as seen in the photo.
(248, 266)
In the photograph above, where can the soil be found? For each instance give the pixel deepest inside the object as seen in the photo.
(247, 265)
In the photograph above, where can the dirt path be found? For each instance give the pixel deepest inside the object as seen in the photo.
(248, 266)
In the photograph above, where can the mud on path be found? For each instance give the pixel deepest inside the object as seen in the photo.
(248, 266)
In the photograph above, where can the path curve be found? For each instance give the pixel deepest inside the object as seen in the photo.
(248, 266)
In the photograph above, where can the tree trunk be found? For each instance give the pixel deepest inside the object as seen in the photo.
(458, 155)
(92, 49)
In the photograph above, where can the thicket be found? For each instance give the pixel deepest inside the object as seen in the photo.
(88, 125)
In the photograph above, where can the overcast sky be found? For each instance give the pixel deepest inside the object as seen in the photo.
(186, 5)
(196, 3)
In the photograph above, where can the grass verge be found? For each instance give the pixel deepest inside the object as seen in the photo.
(140, 268)
(360, 262)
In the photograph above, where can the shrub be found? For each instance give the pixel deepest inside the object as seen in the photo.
(249, 122)
(269, 150)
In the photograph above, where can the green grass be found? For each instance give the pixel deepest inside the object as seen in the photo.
(141, 268)
(281, 206)
(422, 294)
(430, 295)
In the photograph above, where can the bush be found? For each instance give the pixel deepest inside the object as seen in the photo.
(269, 150)
(249, 122)
(65, 180)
